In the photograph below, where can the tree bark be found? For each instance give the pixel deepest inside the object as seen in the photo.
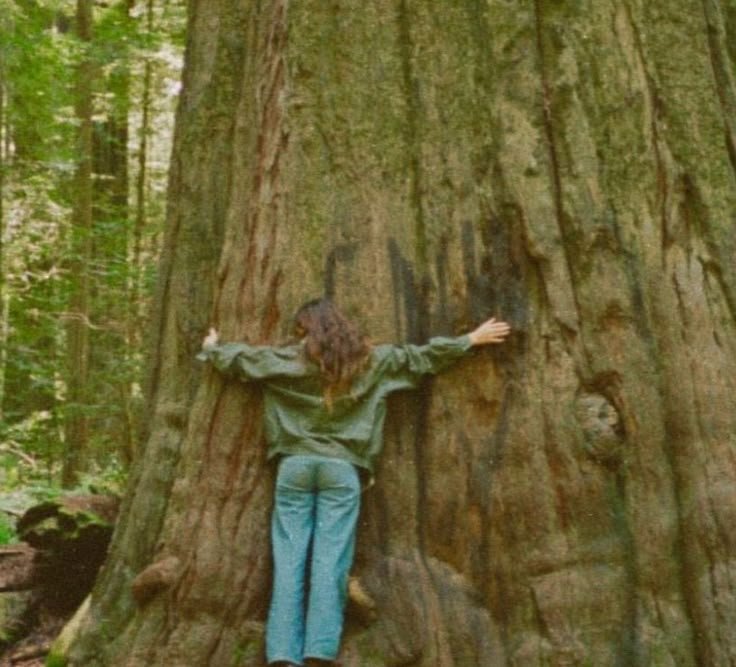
(564, 499)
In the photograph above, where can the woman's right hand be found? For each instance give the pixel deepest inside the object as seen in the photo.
(211, 339)
(490, 331)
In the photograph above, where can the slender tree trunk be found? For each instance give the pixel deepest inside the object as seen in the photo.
(134, 319)
(76, 430)
(4, 294)
(141, 183)
(112, 380)
(564, 499)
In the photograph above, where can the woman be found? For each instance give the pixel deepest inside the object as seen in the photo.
(324, 408)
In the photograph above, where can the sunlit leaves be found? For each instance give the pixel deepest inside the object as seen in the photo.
(39, 55)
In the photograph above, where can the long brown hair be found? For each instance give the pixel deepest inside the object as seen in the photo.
(333, 343)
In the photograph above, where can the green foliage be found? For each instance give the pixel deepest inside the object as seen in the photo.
(25, 443)
(7, 530)
(23, 485)
(38, 57)
(55, 660)
(249, 646)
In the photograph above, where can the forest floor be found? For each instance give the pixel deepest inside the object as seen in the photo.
(45, 578)
(27, 628)
(31, 651)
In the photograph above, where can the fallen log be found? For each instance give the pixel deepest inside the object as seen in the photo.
(70, 536)
(64, 544)
(16, 568)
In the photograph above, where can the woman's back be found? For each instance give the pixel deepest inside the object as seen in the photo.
(300, 419)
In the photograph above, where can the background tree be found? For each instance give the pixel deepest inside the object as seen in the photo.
(76, 434)
(569, 166)
(36, 136)
(3, 287)
(42, 251)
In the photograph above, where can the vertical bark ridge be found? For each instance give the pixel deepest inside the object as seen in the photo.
(723, 75)
(407, 46)
(677, 427)
(188, 218)
(259, 231)
(654, 109)
(414, 150)
(217, 511)
(650, 329)
(704, 189)
(548, 121)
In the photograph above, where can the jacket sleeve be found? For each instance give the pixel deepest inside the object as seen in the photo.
(404, 365)
(253, 363)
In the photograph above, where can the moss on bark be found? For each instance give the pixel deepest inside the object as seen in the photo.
(564, 165)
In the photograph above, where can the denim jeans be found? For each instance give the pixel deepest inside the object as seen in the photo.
(313, 540)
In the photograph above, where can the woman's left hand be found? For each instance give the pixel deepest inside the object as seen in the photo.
(491, 331)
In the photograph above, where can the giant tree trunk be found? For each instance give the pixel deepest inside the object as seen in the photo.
(565, 499)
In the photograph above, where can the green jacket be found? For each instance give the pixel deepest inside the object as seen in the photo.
(296, 418)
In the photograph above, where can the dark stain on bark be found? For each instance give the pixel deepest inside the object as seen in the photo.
(343, 253)
(443, 314)
(495, 275)
(505, 263)
(478, 283)
(410, 297)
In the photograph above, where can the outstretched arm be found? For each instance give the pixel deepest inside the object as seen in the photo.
(250, 362)
(490, 331)
(405, 365)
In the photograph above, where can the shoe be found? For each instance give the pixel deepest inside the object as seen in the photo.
(319, 662)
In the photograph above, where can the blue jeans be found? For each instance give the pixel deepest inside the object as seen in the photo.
(316, 505)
